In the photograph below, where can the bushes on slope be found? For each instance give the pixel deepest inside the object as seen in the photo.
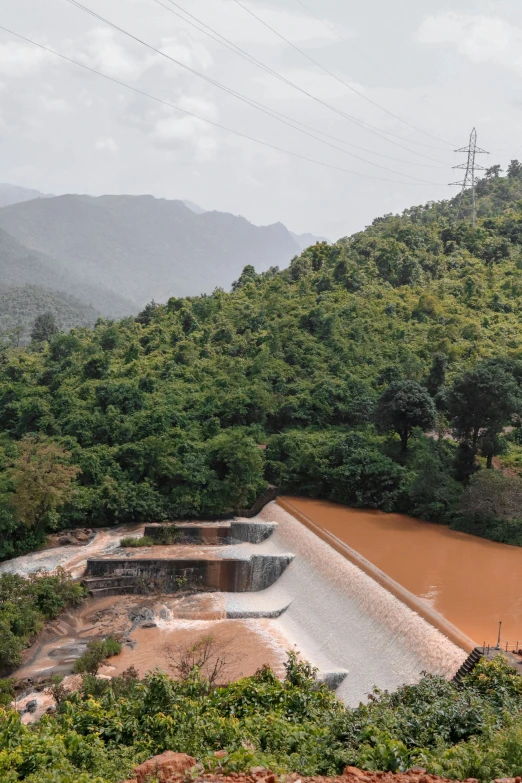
(26, 604)
(100, 733)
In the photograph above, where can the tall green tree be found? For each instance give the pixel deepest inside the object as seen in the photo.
(404, 406)
(437, 375)
(45, 327)
(42, 478)
(481, 402)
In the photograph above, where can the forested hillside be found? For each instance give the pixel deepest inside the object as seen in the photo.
(339, 363)
(21, 305)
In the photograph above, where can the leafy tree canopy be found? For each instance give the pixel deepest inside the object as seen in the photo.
(404, 406)
(44, 328)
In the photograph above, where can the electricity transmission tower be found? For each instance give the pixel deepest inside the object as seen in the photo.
(469, 177)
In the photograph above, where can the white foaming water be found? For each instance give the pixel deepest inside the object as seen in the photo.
(72, 558)
(341, 619)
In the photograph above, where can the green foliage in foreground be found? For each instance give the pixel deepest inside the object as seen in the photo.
(99, 734)
(414, 322)
(26, 605)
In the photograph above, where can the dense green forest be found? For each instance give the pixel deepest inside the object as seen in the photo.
(100, 733)
(384, 370)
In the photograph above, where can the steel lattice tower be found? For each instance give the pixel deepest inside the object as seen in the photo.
(469, 177)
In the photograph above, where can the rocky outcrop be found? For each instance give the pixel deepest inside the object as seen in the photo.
(169, 766)
(79, 537)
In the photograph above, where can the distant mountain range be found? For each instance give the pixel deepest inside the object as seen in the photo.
(14, 194)
(113, 254)
(302, 240)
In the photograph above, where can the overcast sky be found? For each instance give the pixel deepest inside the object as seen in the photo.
(441, 67)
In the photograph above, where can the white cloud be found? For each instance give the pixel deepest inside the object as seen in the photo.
(17, 59)
(176, 133)
(178, 128)
(198, 105)
(171, 129)
(54, 105)
(85, 99)
(102, 51)
(183, 48)
(480, 38)
(107, 145)
(313, 81)
(237, 24)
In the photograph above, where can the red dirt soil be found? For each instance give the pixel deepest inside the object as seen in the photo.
(176, 768)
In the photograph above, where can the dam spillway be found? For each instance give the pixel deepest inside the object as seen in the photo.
(270, 584)
(354, 630)
(472, 582)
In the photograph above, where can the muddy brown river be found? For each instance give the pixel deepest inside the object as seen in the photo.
(472, 582)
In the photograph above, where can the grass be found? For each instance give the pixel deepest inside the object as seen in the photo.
(129, 541)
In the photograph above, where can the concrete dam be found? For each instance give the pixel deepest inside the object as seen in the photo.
(273, 575)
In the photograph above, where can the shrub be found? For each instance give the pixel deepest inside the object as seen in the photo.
(167, 534)
(129, 541)
(7, 692)
(96, 653)
(101, 732)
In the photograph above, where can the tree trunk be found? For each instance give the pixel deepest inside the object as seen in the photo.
(489, 461)
(404, 442)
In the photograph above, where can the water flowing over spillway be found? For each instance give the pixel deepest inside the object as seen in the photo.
(342, 620)
(300, 594)
(473, 582)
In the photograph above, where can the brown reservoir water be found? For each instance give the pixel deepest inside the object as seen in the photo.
(472, 582)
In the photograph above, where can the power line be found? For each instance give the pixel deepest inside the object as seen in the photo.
(214, 35)
(341, 81)
(332, 29)
(198, 117)
(242, 97)
(469, 177)
(230, 91)
(358, 51)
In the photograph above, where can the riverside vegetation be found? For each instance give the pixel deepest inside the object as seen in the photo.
(101, 732)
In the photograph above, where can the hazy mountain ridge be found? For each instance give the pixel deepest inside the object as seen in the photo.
(20, 266)
(305, 240)
(140, 247)
(15, 194)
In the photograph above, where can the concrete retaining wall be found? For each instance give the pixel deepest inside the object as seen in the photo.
(231, 575)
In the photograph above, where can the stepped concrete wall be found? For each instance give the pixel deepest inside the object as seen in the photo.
(257, 572)
(219, 534)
